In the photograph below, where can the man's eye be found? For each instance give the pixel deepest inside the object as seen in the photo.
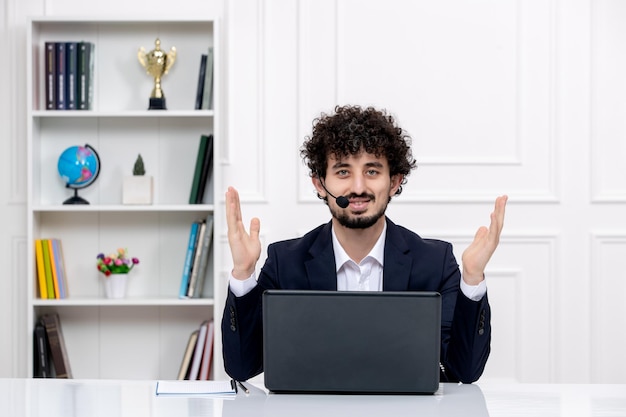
(372, 172)
(342, 172)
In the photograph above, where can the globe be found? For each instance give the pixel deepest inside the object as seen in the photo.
(79, 167)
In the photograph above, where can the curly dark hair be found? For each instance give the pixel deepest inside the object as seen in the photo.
(352, 129)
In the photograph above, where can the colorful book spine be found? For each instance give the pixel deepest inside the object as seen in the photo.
(205, 250)
(41, 270)
(86, 51)
(207, 94)
(195, 268)
(60, 74)
(48, 269)
(53, 269)
(71, 70)
(50, 74)
(197, 172)
(184, 282)
(207, 167)
(43, 368)
(59, 265)
(201, 77)
(207, 354)
(60, 359)
(197, 354)
(185, 364)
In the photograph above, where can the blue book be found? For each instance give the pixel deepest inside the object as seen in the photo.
(191, 247)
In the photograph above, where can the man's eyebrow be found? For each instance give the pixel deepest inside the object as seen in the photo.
(340, 164)
(374, 164)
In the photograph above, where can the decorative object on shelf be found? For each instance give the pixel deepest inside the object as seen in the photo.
(79, 166)
(137, 188)
(157, 63)
(115, 268)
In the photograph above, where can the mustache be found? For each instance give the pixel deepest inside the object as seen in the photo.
(362, 195)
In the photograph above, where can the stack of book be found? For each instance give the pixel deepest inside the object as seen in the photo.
(204, 92)
(51, 276)
(69, 75)
(196, 258)
(51, 359)
(198, 356)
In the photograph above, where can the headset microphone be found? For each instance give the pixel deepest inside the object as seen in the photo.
(341, 201)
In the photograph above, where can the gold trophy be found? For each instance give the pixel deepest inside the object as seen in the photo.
(157, 63)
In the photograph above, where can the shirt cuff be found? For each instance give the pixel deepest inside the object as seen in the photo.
(474, 292)
(241, 287)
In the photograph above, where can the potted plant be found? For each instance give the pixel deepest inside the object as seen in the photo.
(115, 268)
(137, 188)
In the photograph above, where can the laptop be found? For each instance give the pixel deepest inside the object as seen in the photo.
(351, 342)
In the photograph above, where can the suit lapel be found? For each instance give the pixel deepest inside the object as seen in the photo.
(321, 269)
(397, 268)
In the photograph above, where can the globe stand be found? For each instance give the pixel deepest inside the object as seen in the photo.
(76, 199)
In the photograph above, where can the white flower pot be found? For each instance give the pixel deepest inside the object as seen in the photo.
(137, 189)
(115, 285)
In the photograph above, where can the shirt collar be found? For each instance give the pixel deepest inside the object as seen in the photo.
(377, 252)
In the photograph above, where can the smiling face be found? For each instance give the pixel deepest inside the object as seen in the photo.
(365, 181)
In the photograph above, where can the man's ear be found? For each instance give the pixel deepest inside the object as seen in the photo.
(315, 179)
(396, 182)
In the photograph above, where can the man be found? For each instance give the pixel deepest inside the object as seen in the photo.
(358, 159)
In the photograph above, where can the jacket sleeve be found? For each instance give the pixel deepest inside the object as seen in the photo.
(465, 328)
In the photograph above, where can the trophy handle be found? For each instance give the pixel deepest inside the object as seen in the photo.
(171, 57)
(141, 55)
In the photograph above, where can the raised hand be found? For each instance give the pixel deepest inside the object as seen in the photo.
(478, 253)
(245, 248)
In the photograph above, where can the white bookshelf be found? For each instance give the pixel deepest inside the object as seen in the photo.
(144, 335)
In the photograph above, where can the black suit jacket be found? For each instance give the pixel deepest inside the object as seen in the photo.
(410, 264)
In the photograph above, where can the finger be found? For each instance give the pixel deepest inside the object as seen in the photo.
(255, 228)
(233, 208)
(497, 218)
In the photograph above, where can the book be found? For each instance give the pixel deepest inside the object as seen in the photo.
(71, 70)
(197, 354)
(187, 388)
(53, 269)
(205, 248)
(84, 93)
(50, 74)
(207, 354)
(197, 172)
(183, 371)
(42, 368)
(191, 245)
(60, 103)
(59, 264)
(207, 167)
(195, 266)
(201, 77)
(58, 351)
(207, 93)
(47, 269)
(41, 271)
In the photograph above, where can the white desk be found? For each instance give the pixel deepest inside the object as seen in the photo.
(95, 398)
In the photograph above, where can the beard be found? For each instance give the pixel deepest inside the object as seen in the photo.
(359, 222)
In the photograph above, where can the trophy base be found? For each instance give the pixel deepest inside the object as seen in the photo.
(157, 104)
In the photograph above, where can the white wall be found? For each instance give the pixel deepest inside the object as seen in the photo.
(521, 97)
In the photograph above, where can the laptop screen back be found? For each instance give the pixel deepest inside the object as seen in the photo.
(351, 342)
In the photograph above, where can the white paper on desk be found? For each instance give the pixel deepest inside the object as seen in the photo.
(184, 387)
